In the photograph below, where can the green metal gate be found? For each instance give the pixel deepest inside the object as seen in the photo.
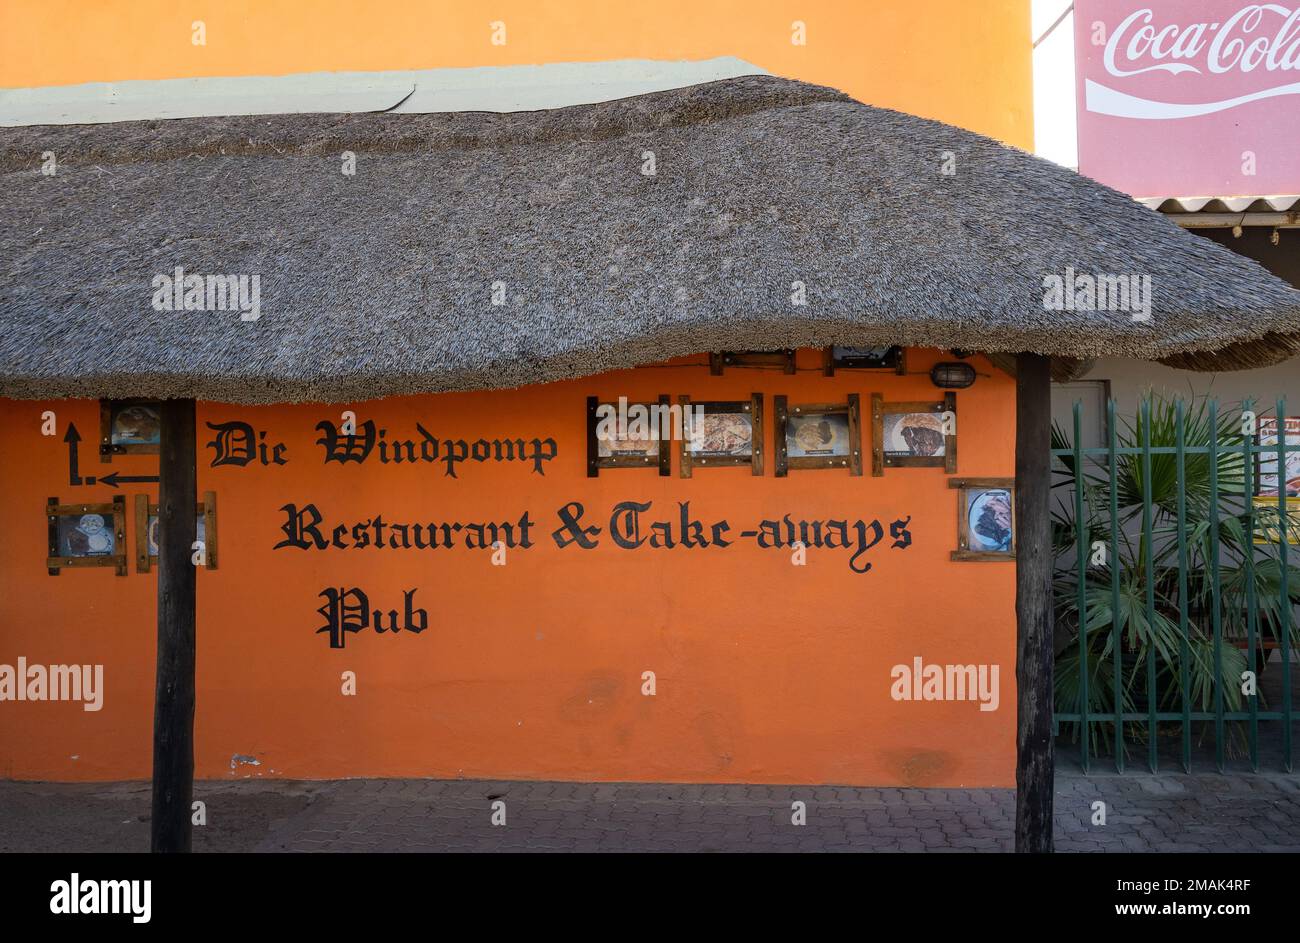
(1173, 584)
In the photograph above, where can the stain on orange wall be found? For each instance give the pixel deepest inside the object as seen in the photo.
(766, 671)
(963, 62)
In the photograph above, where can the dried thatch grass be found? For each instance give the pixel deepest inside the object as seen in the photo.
(381, 283)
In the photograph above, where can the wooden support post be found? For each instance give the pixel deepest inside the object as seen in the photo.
(1035, 774)
(173, 713)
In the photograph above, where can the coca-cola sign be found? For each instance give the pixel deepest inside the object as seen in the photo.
(1189, 97)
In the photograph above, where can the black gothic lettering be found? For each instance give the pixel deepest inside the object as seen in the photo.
(625, 524)
(571, 531)
(348, 611)
(863, 545)
(232, 444)
(902, 536)
(346, 448)
(341, 616)
(296, 526)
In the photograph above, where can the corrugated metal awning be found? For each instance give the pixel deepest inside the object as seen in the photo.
(1196, 212)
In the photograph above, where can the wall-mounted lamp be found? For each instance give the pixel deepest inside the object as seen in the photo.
(952, 376)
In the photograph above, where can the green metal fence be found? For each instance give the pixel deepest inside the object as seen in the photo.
(1174, 584)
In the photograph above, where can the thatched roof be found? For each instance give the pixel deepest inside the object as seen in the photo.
(382, 282)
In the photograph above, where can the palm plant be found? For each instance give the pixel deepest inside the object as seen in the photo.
(1163, 583)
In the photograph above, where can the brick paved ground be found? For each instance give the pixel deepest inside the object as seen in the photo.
(1171, 812)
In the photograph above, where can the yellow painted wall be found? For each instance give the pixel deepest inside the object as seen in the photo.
(966, 62)
(768, 670)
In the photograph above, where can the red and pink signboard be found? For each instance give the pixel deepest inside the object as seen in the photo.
(1189, 97)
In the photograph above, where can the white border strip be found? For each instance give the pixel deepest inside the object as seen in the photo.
(484, 88)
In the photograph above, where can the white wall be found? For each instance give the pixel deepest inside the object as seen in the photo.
(1055, 127)
(1130, 379)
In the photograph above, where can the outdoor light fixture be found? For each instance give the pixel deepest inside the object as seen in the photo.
(952, 376)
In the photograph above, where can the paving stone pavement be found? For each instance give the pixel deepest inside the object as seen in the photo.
(1199, 813)
(1170, 812)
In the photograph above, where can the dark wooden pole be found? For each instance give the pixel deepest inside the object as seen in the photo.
(173, 712)
(1035, 775)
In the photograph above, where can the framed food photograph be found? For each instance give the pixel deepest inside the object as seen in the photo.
(818, 435)
(782, 360)
(146, 531)
(722, 434)
(986, 519)
(83, 535)
(129, 427)
(1266, 466)
(914, 435)
(630, 435)
(863, 358)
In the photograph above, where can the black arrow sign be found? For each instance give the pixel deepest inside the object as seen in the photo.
(113, 478)
(72, 438)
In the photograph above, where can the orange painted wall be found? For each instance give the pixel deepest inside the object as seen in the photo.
(963, 62)
(767, 672)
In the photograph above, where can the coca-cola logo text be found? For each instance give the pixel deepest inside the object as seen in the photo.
(1258, 36)
(1258, 39)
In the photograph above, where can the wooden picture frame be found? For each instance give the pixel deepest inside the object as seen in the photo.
(63, 536)
(782, 359)
(146, 511)
(1266, 461)
(660, 458)
(689, 458)
(1266, 509)
(110, 415)
(883, 432)
(986, 519)
(788, 418)
(837, 357)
